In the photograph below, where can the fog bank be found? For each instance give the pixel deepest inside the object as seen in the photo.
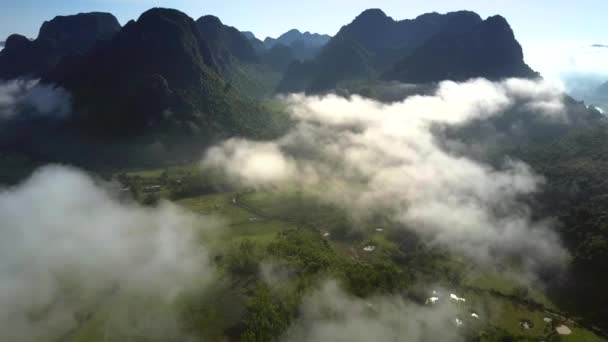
(373, 158)
(68, 246)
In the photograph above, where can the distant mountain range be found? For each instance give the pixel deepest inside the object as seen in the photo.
(293, 44)
(161, 73)
(166, 75)
(485, 49)
(62, 36)
(226, 42)
(600, 97)
(293, 36)
(603, 89)
(429, 48)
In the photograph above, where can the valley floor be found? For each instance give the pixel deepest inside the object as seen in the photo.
(499, 304)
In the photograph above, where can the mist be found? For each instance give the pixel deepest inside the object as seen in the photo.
(330, 314)
(69, 245)
(29, 97)
(371, 158)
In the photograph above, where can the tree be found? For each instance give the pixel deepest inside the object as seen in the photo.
(267, 316)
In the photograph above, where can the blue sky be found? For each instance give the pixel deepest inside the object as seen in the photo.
(545, 28)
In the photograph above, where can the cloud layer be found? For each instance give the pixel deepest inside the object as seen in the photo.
(30, 97)
(67, 245)
(370, 158)
(330, 314)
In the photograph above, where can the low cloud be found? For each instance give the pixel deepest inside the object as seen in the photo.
(29, 97)
(330, 314)
(370, 158)
(68, 246)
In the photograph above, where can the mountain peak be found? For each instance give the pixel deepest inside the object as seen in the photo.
(152, 64)
(293, 31)
(249, 35)
(16, 41)
(210, 19)
(372, 13)
(460, 52)
(497, 20)
(57, 38)
(226, 42)
(71, 27)
(293, 36)
(162, 14)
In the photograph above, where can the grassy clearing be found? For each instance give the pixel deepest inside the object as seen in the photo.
(508, 283)
(580, 335)
(288, 226)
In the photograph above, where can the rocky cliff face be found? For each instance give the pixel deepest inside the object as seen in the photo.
(156, 68)
(59, 37)
(226, 42)
(431, 47)
(157, 77)
(489, 50)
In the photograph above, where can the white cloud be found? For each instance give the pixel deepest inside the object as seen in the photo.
(30, 97)
(67, 243)
(369, 157)
(329, 314)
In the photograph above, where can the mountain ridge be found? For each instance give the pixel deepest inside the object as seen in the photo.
(489, 50)
(227, 42)
(293, 35)
(374, 45)
(57, 38)
(180, 90)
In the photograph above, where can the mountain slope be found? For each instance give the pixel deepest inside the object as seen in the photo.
(279, 57)
(62, 36)
(156, 75)
(487, 50)
(380, 41)
(226, 42)
(602, 90)
(258, 45)
(303, 46)
(431, 47)
(288, 38)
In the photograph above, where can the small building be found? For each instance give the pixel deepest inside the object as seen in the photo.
(432, 300)
(563, 330)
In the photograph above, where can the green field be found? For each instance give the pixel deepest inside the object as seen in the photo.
(311, 241)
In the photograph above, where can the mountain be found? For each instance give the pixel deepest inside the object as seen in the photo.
(308, 39)
(227, 43)
(257, 44)
(242, 61)
(603, 90)
(249, 35)
(303, 45)
(374, 43)
(156, 75)
(489, 50)
(599, 98)
(341, 59)
(279, 57)
(389, 40)
(59, 37)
